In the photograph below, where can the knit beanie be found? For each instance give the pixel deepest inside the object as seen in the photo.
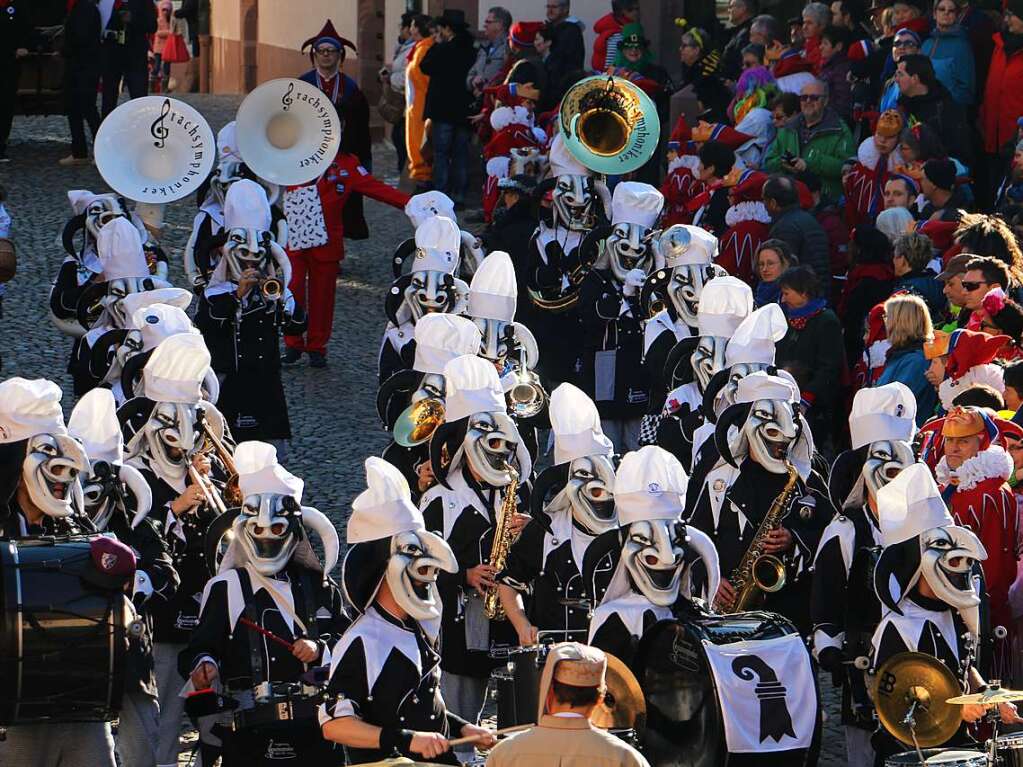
(941, 173)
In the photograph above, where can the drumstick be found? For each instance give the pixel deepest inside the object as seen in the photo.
(495, 733)
(268, 634)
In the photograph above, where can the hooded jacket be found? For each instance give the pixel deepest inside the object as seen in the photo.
(609, 37)
(1003, 98)
(952, 56)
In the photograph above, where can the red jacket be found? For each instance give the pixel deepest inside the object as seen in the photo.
(679, 187)
(1003, 97)
(344, 176)
(605, 27)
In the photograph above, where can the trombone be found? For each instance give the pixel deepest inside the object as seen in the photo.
(209, 490)
(212, 444)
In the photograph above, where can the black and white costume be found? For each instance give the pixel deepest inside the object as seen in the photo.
(656, 553)
(430, 287)
(433, 203)
(270, 576)
(612, 318)
(484, 448)
(843, 607)
(923, 545)
(385, 669)
(572, 503)
(770, 435)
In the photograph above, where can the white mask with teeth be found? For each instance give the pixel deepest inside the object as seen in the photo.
(431, 292)
(772, 430)
(885, 459)
(51, 473)
(628, 247)
(947, 557)
(167, 440)
(491, 446)
(654, 557)
(573, 203)
(417, 557)
(589, 494)
(707, 359)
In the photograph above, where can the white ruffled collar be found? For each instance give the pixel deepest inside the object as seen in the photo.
(747, 211)
(993, 463)
(868, 155)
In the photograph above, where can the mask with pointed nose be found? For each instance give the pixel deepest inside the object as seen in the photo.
(168, 440)
(491, 443)
(738, 371)
(772, 429)
(947, 559)
(885, 459)
(686, 285)
(101, 211)
(246, 249)
(707, 359)
(430, 292)
(573, 202)
(654, 556)
(629, 247)
(417, 558)
(589, 494)
(51, 473)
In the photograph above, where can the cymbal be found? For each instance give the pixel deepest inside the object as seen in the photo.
(991, 696)
(623, 706)
(912, 677)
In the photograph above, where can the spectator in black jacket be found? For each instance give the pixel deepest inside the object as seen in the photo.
(447, 64)
(926, 100)
(189, 11)
(567, 48)
(740, 15)
(512, 231)
(82, 55)
(125, 51)
(14, 35)
(796, 227)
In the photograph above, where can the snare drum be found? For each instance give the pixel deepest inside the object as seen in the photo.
(945, 757)
(62, 641)
(278, 704)
(1009, 749)
(516, 685)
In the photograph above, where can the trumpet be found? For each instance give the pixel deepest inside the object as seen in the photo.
(271, 288)
(213, 444)
(526, 397)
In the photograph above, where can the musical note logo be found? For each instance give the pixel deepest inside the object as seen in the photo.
(160, 131)
(287, 100)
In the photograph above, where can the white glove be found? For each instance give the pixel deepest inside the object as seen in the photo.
(633, 282)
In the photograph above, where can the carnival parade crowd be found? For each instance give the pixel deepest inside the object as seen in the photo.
(709, 406)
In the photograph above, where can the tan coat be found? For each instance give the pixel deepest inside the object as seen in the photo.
(565, 742)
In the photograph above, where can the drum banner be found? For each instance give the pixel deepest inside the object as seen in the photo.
(761, 712)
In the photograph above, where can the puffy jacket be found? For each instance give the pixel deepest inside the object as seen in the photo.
(952, 56)
(830, 145)
(1003, 96)
(924, 284)
(609, 36)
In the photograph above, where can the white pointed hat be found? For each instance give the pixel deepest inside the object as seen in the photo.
(227, 142)
(93, 422)
(762, 385)
(178, 297)
(119, 249)
(176, 369)
(650, 484)
(910, 504)
(29, 407)
(427, 205)
(246, 206)
(385, 507)
(563, 163)
(160, 321)
(703, 247)
(882, 413)
(576, 425)
(80, 200)
(438, 244)
(471, 386)
(442, 337)
(493, 291)
(634, 202)
(755, 338)
(259, 471)
(724, 303)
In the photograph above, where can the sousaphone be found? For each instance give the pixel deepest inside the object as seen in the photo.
(288, 131)
(609, 124)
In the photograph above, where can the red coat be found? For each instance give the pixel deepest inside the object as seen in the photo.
(738, 248)
(343, 177)
(605, 27)
(1003, 97)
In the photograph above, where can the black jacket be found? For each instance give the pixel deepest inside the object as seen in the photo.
(137, 20)
(82, 35)
(947, 118)
(807, 238)
(511, 232)
(447, 64)
(566, 54)
(731, 55)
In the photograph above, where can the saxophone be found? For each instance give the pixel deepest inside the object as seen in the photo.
(758, 573)
(492, 606)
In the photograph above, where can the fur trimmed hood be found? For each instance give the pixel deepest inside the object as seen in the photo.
(868, 155)
(993, 463)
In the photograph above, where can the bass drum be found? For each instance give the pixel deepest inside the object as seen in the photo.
(62, 641)
(684, 726)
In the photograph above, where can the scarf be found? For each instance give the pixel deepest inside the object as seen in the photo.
(799, 317)
(767, 293)
(859, 273)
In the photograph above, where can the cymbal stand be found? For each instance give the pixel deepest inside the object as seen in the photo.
(994, 716)
(910, 720)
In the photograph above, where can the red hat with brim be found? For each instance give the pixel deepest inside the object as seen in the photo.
(969, 348)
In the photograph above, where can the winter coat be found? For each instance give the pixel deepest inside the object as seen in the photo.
(952, 56)
(908, 365)
(731, 54)
(835, 72)
(829, 146)
(1003, 96)
(814, 355)
(447, 64)
(705, 78)
(609, 36)
(806, 237)
(947, 118)
(567, 50)
(924, 284)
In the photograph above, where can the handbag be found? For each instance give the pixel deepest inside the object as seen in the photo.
(392, 104)
(175, 50)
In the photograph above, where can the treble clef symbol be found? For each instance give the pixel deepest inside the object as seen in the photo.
(287, 100)
(158, 129)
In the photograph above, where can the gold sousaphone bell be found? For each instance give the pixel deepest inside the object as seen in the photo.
(418, 421)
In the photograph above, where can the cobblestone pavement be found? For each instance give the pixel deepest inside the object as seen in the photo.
(332, 410)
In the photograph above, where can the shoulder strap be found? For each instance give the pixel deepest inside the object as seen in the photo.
(256, 663)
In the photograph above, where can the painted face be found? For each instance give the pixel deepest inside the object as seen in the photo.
(885, 459)
(947, 557)
(772, 430)
(416, 560)
(654, 556)
(573, 203)
(50, 473)
(628, 247)
(430, 292)
(589, 494)
(169, 439)
(490, 444)
(246, 249)
(707, 359)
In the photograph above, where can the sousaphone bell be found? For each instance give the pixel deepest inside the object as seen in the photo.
(418, 422)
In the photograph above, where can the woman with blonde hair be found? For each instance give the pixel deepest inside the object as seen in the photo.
(908, 325)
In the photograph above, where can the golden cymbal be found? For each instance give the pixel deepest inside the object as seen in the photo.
(623, 706)
(910, 678)
(989, 697)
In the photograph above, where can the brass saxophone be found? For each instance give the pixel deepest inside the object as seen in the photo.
(758, 573)
(503, 540)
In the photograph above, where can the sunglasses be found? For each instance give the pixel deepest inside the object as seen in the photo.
(810, 97)
(972, 286)
(903, 44)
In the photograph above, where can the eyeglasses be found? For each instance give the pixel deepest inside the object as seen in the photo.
(326, 51)
(972, 286)
(903, 44)
(810, 97)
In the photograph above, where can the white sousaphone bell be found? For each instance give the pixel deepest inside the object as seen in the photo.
(288, 131)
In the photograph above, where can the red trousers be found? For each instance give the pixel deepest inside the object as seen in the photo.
(310, 265)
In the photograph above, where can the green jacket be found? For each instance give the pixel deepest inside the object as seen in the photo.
(830, 145)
